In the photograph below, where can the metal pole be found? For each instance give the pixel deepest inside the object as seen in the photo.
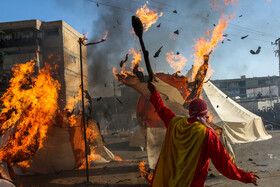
(278, 53)
(81, 42)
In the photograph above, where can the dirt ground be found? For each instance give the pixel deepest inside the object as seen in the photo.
(263, 158)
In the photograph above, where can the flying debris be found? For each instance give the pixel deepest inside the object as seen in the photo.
(222, 41)
(214, 25)
(123, 61)
(158, 25)
(97, 4)
(175, 12)
(176, 32)
(105, 85)
(228, 39)
(225, 35)
(157, 53)
(243, 37)
(256, 52)
(240, 15)
(98, 99)
(177, 53)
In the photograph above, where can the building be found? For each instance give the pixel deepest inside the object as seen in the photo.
(256, 87)
(45, 42)
(260, 95)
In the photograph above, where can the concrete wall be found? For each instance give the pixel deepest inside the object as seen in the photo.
(55, 43)
(72, 69)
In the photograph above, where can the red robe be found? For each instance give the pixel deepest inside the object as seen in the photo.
(211, 148)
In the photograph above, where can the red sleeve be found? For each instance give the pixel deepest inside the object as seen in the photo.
(222, 163)
(163, 112)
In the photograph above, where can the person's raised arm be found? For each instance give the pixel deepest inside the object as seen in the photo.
(223, 164)
(163, 112)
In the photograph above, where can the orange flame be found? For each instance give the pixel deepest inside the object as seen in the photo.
(204, 46)
(124, 73)
(91, 135)
(136, 57)
(106, 33)
(143, 171)
(147, 16)
(72, 101)
(172, 36)
(231, 157)
(177, 62)
(135, 62)
(118, 159)
(28, 109)
(221, 4)
(91, 158)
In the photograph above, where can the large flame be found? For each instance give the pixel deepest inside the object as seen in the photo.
(147, 16)
(28, 106)
(176, 61)
(204, 46)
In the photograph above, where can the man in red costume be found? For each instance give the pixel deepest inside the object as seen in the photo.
(188, 146)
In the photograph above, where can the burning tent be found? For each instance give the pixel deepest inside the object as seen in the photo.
(34, 135)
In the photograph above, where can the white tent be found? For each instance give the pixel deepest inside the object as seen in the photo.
(239, 124)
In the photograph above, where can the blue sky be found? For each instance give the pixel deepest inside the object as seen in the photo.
(259, 20)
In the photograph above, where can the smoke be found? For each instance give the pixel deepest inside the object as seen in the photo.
(192, 20)
(104, 56)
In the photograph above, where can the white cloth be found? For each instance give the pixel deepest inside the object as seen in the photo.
(155, 137)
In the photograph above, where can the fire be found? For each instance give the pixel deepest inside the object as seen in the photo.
(231, 157)
(147, 16)
(143, 171)
(134, 63)
(136, 57)
(91, 135)
(73, 101)
(172, 36)
(118, 159)
(177, 62)
(91, 158)
(204, 46)
(106, 33)
(124, 73)
(28, 109)
(221, 4)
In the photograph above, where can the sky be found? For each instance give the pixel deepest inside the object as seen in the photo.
(259, 19)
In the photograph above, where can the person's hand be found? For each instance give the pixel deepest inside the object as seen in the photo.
(151, 87)
(256, 177)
